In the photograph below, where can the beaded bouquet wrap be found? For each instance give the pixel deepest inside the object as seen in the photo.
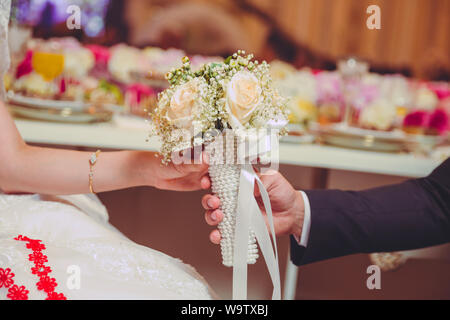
(225, 171)
(217, 107)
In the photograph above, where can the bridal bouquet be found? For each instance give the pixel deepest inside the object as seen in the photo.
(228, 108)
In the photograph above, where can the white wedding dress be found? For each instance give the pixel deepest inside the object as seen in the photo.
(76, 232)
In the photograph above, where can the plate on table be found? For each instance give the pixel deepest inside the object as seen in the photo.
(18, 99)
(297, 134)
(345, 136)
(424, 144)
(62, 115)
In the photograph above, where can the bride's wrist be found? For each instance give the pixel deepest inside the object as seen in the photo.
(142, 168)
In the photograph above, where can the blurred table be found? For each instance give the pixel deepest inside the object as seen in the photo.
(116, 135)
(113, 136)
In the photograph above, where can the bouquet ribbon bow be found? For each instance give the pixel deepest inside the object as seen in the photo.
(249, 216)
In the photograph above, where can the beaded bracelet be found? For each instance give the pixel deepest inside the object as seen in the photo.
(92, 162)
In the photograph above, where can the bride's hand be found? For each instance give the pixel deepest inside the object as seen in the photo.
(178, 177)
(287, 207)
(25, 168)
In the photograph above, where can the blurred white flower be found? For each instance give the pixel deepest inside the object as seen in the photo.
(379, 115)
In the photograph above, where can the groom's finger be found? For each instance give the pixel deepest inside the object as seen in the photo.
(266, 180)
(215, 236)
(210, 202)
(213, 217)
(205, 182)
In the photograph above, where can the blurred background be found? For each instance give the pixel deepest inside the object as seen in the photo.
(413, 39)
(369, 107)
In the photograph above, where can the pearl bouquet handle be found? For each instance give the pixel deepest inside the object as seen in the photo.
(225, 172)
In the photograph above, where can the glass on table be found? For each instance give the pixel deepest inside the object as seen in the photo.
(352, 71)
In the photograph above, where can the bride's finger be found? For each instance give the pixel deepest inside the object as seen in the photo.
(210, 202)
(196, 164)
(205, 182)
(215, 237)
(213, 217)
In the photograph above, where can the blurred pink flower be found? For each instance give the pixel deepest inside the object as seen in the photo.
(362, 94)
(439, 121)
(442, 89)
(417, 118)
(444, 104)
(25, 67)
(62, 86)
(436, 121)
(137, 92)
(100, 53)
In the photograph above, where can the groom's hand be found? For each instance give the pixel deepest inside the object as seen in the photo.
(287, 206)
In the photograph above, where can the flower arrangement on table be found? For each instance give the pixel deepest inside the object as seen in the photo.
(301, 88)
(425, 122)
(131, 77)
(224, 107)
(84, 78)
(429, 115)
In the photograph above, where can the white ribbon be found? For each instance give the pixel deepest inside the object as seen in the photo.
(249, 216)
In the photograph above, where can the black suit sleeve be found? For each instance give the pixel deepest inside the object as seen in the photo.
(410, 215)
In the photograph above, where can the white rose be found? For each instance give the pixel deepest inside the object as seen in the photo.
(243, 96)
(184, 103)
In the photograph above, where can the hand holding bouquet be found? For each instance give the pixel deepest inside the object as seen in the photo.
(228, 108)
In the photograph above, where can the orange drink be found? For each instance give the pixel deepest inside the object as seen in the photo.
(49, 65)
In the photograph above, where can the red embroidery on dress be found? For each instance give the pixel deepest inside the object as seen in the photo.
(17, 293)
(41, 270)
(6, 277)
(35, 245)
(21, 238)
(55, 296)
(38, 258)
(14, 291)
(45, 283)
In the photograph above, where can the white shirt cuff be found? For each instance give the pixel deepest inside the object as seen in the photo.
(303, 241)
